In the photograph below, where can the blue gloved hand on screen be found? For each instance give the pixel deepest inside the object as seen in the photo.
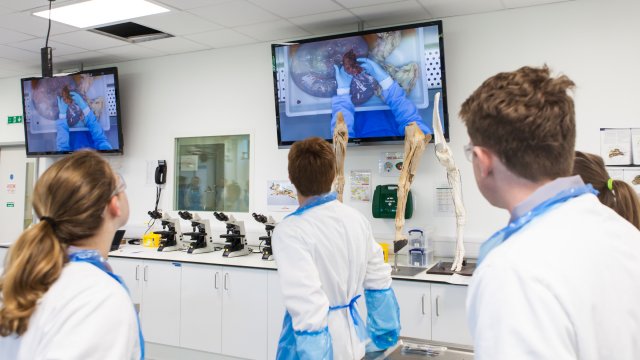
(80, 101)
(343, 79)
(373, 69)
(62, 108)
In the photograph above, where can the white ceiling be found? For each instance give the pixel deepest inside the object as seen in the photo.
(208, 24)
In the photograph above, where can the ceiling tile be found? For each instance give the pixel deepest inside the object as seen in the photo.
(58, 48)
(235, 14)
(6, 10)
(87, 58)
(16, 54)
(444, 8)
(132, 52)
(9, 36)
(291, 8)
(88, 40)
(32, 25)
(392, 14)
(360, 3)
(177, 23)
(222, 38)
(276, 30)
(31, 4)
(173, 45)
(523, 3)
(190, 4)
(16, 65)
(328, 23)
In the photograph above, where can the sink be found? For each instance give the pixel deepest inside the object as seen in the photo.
(407, 270)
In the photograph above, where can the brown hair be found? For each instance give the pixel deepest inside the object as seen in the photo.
(527, 119)
(312, 166)
(622, 197)
(71, 196)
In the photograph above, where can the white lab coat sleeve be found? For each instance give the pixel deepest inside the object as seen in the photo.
(302, 292)
(512, 315)
(98, 325)
(378, 275)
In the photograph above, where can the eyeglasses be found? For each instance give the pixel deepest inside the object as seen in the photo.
(468, 151)
(122, 186)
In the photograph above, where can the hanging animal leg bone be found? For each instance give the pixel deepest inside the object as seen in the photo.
(445, 157)
(415, 141)
(340, 139)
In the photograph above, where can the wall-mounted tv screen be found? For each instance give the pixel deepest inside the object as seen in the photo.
(378, 79)
(71, 112)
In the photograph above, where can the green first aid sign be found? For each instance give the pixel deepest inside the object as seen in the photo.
(14, 119)
(10, 204)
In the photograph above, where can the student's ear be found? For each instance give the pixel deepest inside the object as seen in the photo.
(485, 160)
(113, 206)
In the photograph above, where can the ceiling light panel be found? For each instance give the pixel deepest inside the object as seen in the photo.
(98, 12)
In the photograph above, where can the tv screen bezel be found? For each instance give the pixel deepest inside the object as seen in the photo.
(94, 72)
(388, 140)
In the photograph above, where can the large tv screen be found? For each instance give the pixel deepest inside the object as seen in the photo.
(379, 79)
(66, 113)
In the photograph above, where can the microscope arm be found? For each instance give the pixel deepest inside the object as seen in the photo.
(445, 157)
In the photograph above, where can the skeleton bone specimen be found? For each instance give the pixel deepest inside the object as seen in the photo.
(445, 157)
(415, 141)
(615, 152)
(340, 139)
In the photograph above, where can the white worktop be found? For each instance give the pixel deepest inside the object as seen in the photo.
(253, 260)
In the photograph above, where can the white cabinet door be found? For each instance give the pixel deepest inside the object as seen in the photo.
(275, 314)
(201, 307)
(130, 270)
(449, 318)
(160, 310)
(244, 313)
(415, 314)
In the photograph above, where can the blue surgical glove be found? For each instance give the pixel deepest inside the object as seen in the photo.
(373, 69)
(62, 109)
(344, 80)
(80, 101)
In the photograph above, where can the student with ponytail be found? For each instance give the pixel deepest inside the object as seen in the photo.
(59, 297)
(616, 194)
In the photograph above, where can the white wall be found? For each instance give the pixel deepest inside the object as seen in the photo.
(230, 91)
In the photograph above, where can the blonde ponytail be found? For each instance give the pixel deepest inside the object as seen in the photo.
(34, 263)
(69, 198)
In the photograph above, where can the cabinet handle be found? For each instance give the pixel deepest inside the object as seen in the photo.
(423, 304)
(226, 275)
(145, 273)
(437, 306)
(215, 280)
(137, 268)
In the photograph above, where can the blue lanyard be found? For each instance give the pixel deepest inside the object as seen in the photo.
(313, 202)
(93, 257)
(515, 225)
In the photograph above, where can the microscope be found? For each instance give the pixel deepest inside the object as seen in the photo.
(201, 239)
(269, 224)
(235, 239)
(171, 238)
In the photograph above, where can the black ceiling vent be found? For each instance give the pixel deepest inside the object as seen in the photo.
(131, 32)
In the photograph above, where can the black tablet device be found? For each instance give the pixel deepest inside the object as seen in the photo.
(117, 238)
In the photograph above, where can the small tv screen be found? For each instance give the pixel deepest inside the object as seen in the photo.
(66, 113)
(380, 80)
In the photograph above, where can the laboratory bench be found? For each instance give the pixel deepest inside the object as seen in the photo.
(208, 303)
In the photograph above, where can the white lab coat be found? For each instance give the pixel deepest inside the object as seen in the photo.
(566, 286)
(85, 314)
(326, 256)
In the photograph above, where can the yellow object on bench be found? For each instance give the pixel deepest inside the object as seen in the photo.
(151, 240)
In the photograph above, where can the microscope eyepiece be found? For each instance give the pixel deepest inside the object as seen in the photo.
(155, 214)
(221, 216)
(259, 218)
(185, 215)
